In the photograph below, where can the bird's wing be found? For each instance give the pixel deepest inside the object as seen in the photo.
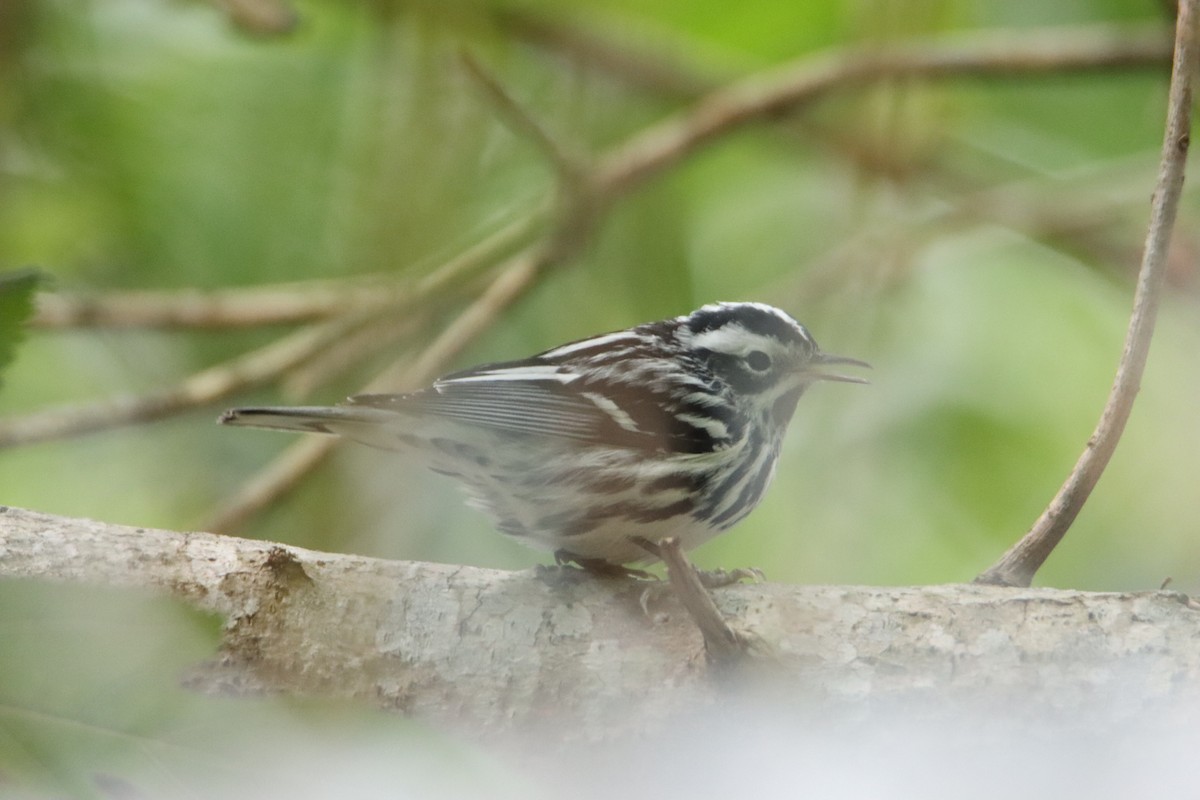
(531, 397)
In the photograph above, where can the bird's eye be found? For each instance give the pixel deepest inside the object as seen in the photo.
(758, 361)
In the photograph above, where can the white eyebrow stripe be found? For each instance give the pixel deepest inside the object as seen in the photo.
(602, 340)
(732, 338)
(619, 415)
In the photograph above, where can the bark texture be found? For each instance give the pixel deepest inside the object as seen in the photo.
(497, 653)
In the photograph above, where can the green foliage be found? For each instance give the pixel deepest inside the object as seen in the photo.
(105, 710)
(17, 290)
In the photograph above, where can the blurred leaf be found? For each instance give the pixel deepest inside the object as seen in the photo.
(17, 289)
(91, 703)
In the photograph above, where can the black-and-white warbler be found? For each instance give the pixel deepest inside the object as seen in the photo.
(597, 447)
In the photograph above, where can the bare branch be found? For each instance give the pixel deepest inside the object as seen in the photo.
(789, 87)
(285, 303)
(509, 286)
(203, 388)
(1018, 566)
(245, 307)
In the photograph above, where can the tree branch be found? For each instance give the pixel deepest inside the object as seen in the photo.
(495, 653)
(279, 304)
(787, 88)
(217, 309)
(1022, 561)
(203, 388)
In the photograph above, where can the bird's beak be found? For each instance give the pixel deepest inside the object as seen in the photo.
(813, 371)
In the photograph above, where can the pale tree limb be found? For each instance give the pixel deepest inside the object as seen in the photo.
(495, 653)
(1022, 561)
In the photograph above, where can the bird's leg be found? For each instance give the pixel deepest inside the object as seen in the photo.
(710, 579)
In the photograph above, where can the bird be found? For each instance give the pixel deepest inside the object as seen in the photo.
(599, 449)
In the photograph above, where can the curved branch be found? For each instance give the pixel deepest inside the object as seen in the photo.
(1022, 561)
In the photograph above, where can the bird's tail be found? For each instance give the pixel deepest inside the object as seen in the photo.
(307, 419)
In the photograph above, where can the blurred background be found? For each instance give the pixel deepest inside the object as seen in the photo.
(974, 237)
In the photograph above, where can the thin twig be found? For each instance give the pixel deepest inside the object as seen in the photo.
(476, 259)
(568, 165)
(202, 388)
(1018, 566)
(512, 282)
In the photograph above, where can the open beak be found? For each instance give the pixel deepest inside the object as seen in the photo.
(826, 359)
